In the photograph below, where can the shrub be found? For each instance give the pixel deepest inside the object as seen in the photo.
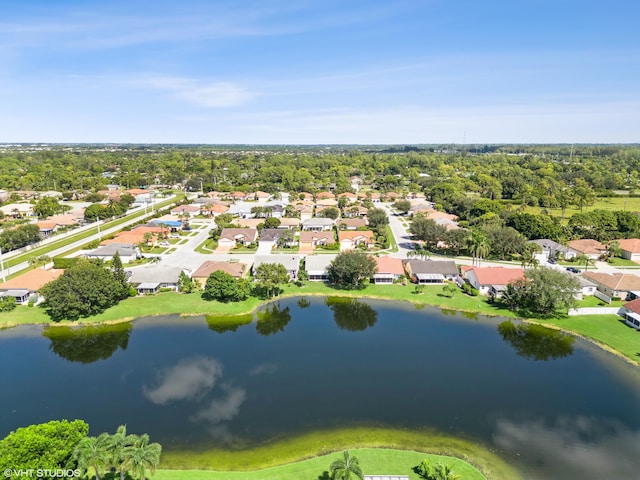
(469, 290)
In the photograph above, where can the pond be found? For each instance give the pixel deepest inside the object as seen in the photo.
(549, 404)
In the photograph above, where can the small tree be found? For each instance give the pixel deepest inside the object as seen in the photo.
(186, 284)
(270, 276)
(377, 217)
(272, 222)
(346, 468)
(403, 206)
(222, 287)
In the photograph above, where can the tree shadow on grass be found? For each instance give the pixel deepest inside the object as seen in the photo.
(324, 476)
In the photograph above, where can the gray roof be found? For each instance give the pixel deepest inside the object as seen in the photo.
(321, 221)
(549, 245)
(15, 293)
(148, 286)
(124, 249)
(154, 273)
(318, 263)
(290, 262)
(445, 267)
(386, 477)
(270, 234)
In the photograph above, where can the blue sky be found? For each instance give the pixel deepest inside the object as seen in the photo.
(324, 71)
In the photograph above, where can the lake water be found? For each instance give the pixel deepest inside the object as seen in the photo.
(552, 406)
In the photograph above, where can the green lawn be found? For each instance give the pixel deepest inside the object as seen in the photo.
(373, 461)
(605, 329)
(631, 204)
(305, 455)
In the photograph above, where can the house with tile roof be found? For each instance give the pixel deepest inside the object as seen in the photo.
(388, 269)
(317, 266)
(630, 312)
(589, 247)
(491, 280)
(230, 237)
(615, 285)
(25, 285)
(350, 239)
(201, 274)
(630, 249)
(352, 223)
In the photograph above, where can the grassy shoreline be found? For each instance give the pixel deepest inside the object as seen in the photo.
(273, 460)
(605, 331)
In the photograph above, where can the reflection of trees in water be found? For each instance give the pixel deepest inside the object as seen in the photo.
(272, 319)
(88, 344)
(304, 303)
(227, 323)
(536, 342)
(351, 314)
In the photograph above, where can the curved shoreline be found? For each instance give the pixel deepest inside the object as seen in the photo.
(323, 442)
(336, 293)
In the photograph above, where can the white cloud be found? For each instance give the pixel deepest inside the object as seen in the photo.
(212, 95)
(264, 368)
(190, 379)
(224, 409)
(576, 447)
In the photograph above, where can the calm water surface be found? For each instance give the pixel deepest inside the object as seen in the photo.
(553, 406)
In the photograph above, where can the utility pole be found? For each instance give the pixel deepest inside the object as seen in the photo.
(4, 275)
(99, 233)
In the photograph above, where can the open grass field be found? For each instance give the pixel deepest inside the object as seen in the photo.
(631, 204)
(386, 451)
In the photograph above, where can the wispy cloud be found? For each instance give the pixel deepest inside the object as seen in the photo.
(197, 92)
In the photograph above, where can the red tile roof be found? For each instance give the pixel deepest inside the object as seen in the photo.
(497, 275)
(389, 265)
(33, 280)
(630, 244)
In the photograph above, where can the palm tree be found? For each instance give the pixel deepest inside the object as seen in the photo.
(529, 255)
(142, 456)
(583, 258)
(93, 452)
(118, 444)
(479, 246)
(346, 468)
(444, 472)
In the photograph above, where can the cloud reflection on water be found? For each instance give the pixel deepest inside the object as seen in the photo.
(577, 447)
(190, 379)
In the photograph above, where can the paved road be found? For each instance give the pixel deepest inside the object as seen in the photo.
(79, 243)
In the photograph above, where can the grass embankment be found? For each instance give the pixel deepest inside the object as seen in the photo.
(384, 451)
(605, 329)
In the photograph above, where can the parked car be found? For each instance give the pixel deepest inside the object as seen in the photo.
(573, 270)
(552, 261)
(164, 244)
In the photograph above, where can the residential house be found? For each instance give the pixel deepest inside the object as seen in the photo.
(491, 281)
(268, 240)
(290, 262)
(326, 202)
(350, 239)
(241, 209)
(248, 222)
(615, 285)
(356, 211)
(128, 252)
(325, 195)
(47, 228)
(351, 197)
(388, 269)
(428, 272)
(318, 224)
(202, 273)
(352, 223)
(262, 197)
(289, 223)
(151, 278)
(630, 312)
(356, 183)
(231, 237)
(317, 266)
(392, 196)
(311, 239)
(551, 249)
(17, 210)
(630, 249)
(587, 288)
(589, 247)
(24, 286)
(237, 196)
(191, 210)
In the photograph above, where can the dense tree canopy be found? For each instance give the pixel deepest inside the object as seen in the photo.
(222, 287)
(543, 291)
(83, 290)
(351, 269)
(43, 446)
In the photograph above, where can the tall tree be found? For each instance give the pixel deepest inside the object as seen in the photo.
(270, 276)
(222, 287)
(479, 246)
(120, 276)
(93, 452)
